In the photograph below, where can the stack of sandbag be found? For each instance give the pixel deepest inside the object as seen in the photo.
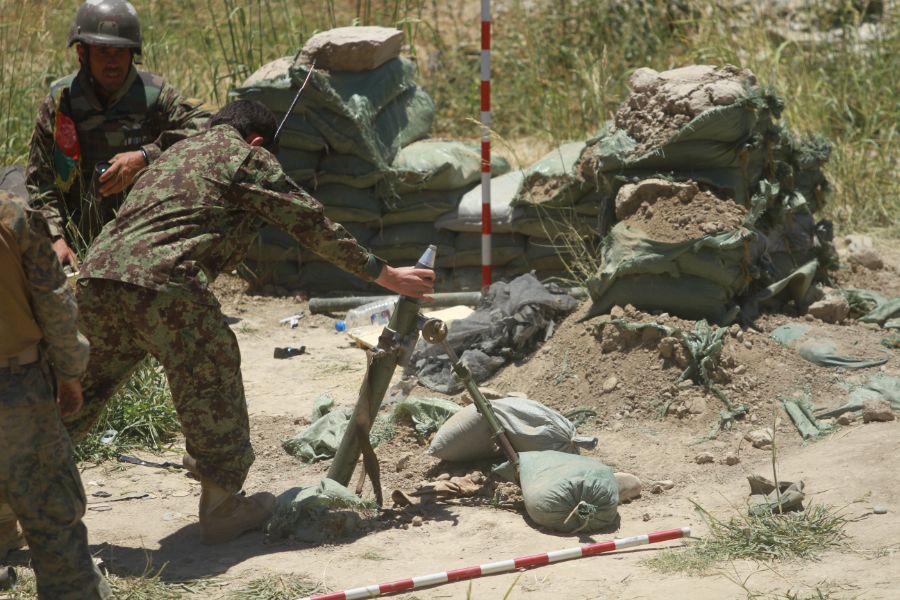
(677, 249)
(360, 106)
(429, 178)
(716, 129)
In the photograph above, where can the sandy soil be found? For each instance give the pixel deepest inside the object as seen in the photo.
(149, 521)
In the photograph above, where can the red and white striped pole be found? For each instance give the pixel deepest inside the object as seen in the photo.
(485, 143)
(504, 566)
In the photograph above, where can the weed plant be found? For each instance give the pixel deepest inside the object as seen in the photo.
(141, 414)
(275, 587)
(559, 70)
(767, 537)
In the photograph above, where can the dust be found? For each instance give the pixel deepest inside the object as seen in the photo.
(674, 212)
(660, 104)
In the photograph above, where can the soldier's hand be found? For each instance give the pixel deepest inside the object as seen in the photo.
(65, 254)
(123, 167)
(69, 396)
(407, 281)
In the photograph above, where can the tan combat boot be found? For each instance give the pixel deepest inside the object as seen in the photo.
(11, 537)
(224, 516)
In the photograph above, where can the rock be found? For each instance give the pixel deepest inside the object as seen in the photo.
(353, 48)
(859, 243)
(846, 419)
(516, 395)
(443, 477)
(487, 392)
(760, 438)
(617, 312)
(877, 410)
(696, 405)
(417, 521)
(731, 459)
(617, 426)
(658, 487)
(646, 517)
(830, 310)
(610, 383)
(629, 487)
(866, 258)
(748, 344)
(667, 346)
(403, 462)
(740, 369)
(704, 458)
(879, 510)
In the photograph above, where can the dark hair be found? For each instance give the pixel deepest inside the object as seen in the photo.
(247, 116)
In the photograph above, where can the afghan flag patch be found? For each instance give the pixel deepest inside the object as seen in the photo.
(66, 151)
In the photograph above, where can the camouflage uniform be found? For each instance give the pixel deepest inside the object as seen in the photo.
(144, 285)
(146, 113)
(38, 477)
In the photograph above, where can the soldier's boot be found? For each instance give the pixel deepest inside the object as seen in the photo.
(11, 537)
(190, 464)
(224, 516)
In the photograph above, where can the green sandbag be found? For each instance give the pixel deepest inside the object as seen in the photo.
(440, 165)
(426, 414)
(505, 247)
(349, 170)
(820, 350)
(407, 241)
(317, 513)
(424, 205)
(348, 204)
(557, 224)
(325, 278)
(694, 279)
(321, 439)
(553, 181)
(298, 160)
(567, 492)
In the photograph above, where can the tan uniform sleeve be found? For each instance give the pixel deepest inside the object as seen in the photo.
(53, 304)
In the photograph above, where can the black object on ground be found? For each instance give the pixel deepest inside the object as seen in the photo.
(289, 351)
(133, 460)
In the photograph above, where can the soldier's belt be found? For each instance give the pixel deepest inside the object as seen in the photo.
(27, 356)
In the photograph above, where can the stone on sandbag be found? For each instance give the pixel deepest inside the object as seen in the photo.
(353, 48)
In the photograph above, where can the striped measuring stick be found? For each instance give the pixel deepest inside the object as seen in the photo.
(485, 143)
(504, 566)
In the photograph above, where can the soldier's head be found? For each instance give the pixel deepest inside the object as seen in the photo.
(253, 120)
(108, 34)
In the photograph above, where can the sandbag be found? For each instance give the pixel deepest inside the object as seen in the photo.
(407, 241)
(325, 278)
(551, 223)
(530, 425)
(349, 170)
(424, 205)
(568, 493)
(316, 513)
(467, 216)
(348, 204)
(819, 349)
(321, 439)
(426, 414)
(505, 248)
(554, 181)
(440, 165)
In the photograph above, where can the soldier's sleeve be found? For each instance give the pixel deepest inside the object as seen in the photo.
(40, 176)
(53, 304)
(261, 184)
(177, 118)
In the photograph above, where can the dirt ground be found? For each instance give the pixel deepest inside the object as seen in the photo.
(646, 425)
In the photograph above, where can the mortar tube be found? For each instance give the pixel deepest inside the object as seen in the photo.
(378, 376)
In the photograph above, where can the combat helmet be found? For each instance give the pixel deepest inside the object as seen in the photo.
(107, 23)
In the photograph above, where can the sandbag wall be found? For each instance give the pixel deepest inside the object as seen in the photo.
(355, 142)
(716, 131)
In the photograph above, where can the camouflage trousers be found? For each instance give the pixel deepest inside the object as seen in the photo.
(39, 480)
(187, 334)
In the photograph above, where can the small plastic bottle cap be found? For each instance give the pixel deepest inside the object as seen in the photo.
(340, 326)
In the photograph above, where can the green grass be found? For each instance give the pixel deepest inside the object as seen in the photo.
(560, 69)
(146, 587)
(275, 587)
(141, 413)
(801, 535)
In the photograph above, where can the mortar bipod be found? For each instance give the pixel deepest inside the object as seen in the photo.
(434, 331)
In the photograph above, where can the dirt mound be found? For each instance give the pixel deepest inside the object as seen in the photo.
(675, 212)
(662, 103)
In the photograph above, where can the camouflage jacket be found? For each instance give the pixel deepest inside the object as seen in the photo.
(147, 113)
(194, 213)
(35, 300)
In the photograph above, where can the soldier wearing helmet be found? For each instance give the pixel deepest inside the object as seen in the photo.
(100, 126)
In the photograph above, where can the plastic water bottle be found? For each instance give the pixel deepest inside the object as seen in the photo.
(373, 313)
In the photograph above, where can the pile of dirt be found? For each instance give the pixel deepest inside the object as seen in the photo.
(668, 211)
(660, 104)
